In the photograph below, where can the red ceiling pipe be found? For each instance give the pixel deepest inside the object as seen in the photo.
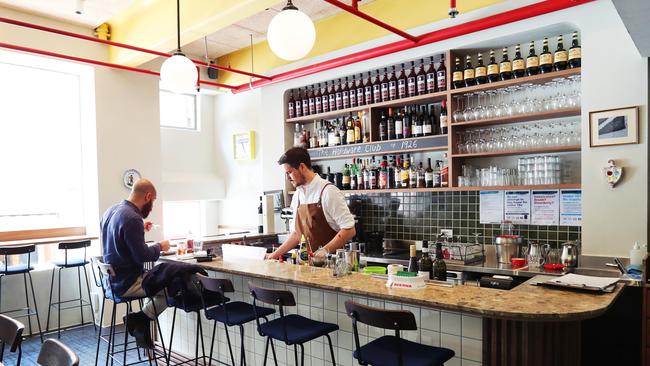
(510, 16)
(96, 62)
(122, 45)
(355, 11)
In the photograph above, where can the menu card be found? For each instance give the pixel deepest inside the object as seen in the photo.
(545, 206)
(491, 207)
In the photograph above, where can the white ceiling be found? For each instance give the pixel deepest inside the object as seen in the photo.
(95, 12)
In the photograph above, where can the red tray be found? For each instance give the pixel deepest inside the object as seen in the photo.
(554, 267)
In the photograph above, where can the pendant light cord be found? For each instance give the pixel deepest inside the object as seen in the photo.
(178, 25)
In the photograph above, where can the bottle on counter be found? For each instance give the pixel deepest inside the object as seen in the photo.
(303, 252)
(190, 236)
(575, 52)
(425, 266)
(413, 259)
(439, 265)
(260, 219)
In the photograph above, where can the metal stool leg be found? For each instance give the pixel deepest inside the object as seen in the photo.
(81, 304)
(49, 309)
(162, 341)
(232, 357)
(302, 355)
(99, 335)
(29, 317)
(90, 300)
(171, 337)
(111, 338)
(275, 358)
(38, 319)
(242, 361)
(59, 306)
(266, 350)
(198, 315)
(126, 333)
(295, 354)
(214, 331)
(331, 348)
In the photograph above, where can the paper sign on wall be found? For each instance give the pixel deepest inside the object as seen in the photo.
(571, 207)
(517, 207)
(491, 207)
(545, 207)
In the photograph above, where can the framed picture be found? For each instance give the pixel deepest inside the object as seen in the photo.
(614, 127)
(244, 145)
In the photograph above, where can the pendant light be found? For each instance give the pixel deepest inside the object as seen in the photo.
(291, 34)
(178, 73)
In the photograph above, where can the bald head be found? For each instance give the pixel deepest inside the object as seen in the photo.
(143, 186)
(142, 195)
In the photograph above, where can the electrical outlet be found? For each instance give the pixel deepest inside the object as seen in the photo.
(447, 232)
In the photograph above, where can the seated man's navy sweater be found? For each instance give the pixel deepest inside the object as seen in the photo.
(123, 244)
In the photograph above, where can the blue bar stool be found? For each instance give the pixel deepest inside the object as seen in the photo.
(11, 334)
(70, 263)
(392, 350)
(292, 329)
(235, 313)
(26, 270)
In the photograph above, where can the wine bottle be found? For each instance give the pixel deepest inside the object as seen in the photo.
(399, 126)
(421, 79)
(444, 172)
(383, 174)
(346, 177)
(545, 58)
(417, 129)
(435, 127)
(439, 266)
(413, 260)
(318, 102)
(413, 173)
(391, 173)
(404, 174)
(298, 104)
(345, 94)
(305, 103)
(392, 85)
(338, 92)
(311, 100)
(518, 64)
(457, 76)
(361, 96)
(352, 93)
(430, 77)
(391, 125)
(411, 81)
(398, 173)
(401, 83)
(376, 88)
(349, 131)
(384, 85)
(443, 118)
(420, 176)
(505, 67)
(560, 57)
(468, 73)
(425, 265)
(291, 111)
(427, 124)
(332, 97)
(367, 89)
(575, 52)
(428, 175)
(480, 72)
(325, 97)
(441, 75)
(358, 130)
(436, 174)
(406, 124)
(492, 69)
(383, 128)
(532, 61)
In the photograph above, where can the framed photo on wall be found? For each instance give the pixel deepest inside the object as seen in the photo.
(614, 127)
(244, 145)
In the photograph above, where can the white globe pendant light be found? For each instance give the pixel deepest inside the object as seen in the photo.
(178, 73)
(291, 34)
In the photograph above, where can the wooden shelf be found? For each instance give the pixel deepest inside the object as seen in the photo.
(535, 79)
(460, 189)
(326, 115)
(541, 150)
(397, 190)
(569, 112)
(416, 144)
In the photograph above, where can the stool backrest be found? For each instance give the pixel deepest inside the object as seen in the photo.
(17, 250)
(280, 298)
(11, 333)
(55, 353)
(216, 285)
(381, 318)
(71, 245)
(95, 260)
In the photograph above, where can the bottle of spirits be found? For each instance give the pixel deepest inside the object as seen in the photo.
(291, 111)
(391, 172)
(399, 126)
(345, 94)
(441, 75)
(443, 118)
(260, 222)
(367, 89)
(428, 175)
(361, 96)
(366, 175)
(518, 64)
(332, 97)
(343, 132)
(318, 103)
(346, 177)
(468, 73)
(330, 176)
(401, 83)
(303, 254)
(532, 61)
(439, 266)
(397, 183)
(420, 177)
(358, 130)
(297, 135)
(416, 124)
(457, 76)
(325, 96)
(352, 93)
(413, 173)
(376, 88)
(411, 81)
(427, 124)
(383, 127)
(480, 72)
(575, 52)
(374, 174)
(505, 67)
(431, 77)
(359, 173)
(384, 85)
(425, 265)
(383, 174)
(421, 79)
(332, 135)
(435, 126)
(298, 104)
(392, 85)
(413, 260)
(436, 174)
(545, 58)
(349, 131)
(338, 92)
(311, 100)
(561, 56)
(391, 125)
(404, 173)
(444, 172)
(492, 69)
(313, 137)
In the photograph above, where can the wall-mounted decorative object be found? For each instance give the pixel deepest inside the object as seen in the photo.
(244, 145)
(614, 127)
(130, 177)
(613, 173)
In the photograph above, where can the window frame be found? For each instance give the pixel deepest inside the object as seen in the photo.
(197, 106)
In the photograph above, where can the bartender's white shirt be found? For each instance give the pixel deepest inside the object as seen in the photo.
(335, 208)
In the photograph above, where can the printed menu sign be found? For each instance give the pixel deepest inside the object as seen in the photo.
(571, 207)
(491, 207)
(517, 207)
(545, 207)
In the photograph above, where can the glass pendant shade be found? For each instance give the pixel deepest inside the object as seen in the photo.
(291, 34)
(178, 74)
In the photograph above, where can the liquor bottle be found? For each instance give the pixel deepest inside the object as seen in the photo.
(532, 61)
(349, 131)
(421, 79)
(397, 182)
(401, 83)
(399, 125)
(518, 64)
(545, 58)
(411, 81)
(575, 52)
(325, 97)
(425, 266)
(383, 128)
(260, 221)
(391, 172)
(366, 175)
(439, 266)
(332, 135)
(358, 130)
(338, 180)
(313, 139)
(338, 92)
(322, 137)
(435, 126)
(291, 111)
(390, 125)
(441, 75)
(444, 172)
(420, 177)
(339, 134)
(361, 97)
(443, 118)
(457, 76)
(330, 176)
(560, 57)
(480, 72)
(431, 77)
(376, 88)
(297, 135)
(392, 85)
(343, 131)
(468, 73)
(305, 103)
(427, 123)
(372, 173)
(332, 97)
(345, 94)
(384, 85)
(298, 104)
(383, 174)
(436, 174)
(312, 101)
(413, 173)
(404, 173)
(413, 260)
(505, 67)
(492, 69)
(318, 105)
(354, 183)
(428, 175)
(352, 93)
(346, 177)
(367, 89)
(406, 124)
(416, 125)
(303, 253)
(361, 184)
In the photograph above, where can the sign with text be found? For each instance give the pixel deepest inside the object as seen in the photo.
(380, 147)
(571, 207)
(545, 207)
(517, 207)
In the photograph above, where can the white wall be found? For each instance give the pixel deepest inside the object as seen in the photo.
(613, 74)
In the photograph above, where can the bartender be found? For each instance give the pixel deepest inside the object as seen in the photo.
(321, 213)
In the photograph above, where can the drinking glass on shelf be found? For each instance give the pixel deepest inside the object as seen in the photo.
(458, 113)
(467, 112)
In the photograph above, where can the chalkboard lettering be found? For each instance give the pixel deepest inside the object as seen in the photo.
(379, 147)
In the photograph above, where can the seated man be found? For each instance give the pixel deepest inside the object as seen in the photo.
(124, 249)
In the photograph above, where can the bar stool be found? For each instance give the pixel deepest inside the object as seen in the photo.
(106, 272)
(235, 313)
(55, 353)
(26, 271)
(11, 333)
(392, 350)
(292, 329)
(70, 263)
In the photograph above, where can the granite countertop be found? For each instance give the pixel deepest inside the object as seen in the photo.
(525, 302)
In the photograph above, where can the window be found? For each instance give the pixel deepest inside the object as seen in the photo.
(177, 110)
(181, 217)
(41, 143)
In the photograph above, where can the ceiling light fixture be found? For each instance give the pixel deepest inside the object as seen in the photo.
(291, 34)
(452, 9)
(79, 6)
(178, 73)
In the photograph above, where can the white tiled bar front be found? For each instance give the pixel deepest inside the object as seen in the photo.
(461, 333)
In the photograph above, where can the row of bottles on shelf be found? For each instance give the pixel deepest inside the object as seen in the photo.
(340, 131)
(412, 121)
(505, 70)
(398, 172)
(374, 87)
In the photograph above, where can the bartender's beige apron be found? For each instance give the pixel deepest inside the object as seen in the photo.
(311, 222)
